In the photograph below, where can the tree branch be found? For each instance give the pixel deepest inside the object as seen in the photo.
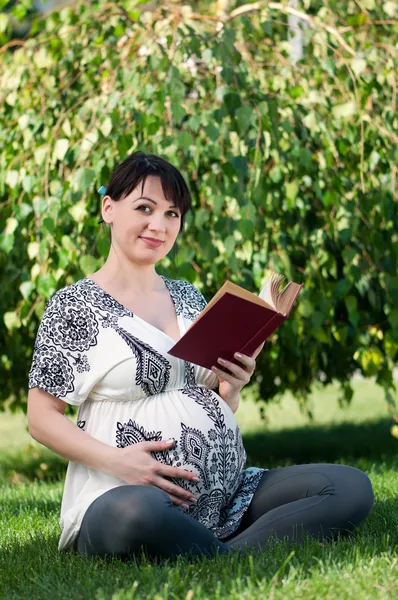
(289, 10)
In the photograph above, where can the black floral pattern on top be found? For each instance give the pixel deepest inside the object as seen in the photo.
(99, 298)
(153, 369)
(187, 300)
(70, 323)
(51, 371)
(190, 380)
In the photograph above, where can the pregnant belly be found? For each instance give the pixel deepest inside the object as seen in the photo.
(210, 445)
(207, 442)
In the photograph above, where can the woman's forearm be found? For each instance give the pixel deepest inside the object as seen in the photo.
(73, 443)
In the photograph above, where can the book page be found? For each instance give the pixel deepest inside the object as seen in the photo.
(269, 292)
(266, 295)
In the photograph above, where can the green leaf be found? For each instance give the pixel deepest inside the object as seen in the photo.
(244, 116)
(12, 321)
(33, 250)
(341, 288)
(61, 148)
(391, 9)
(358, 65)
(4, 22)
(88, 264)
(106, 127)
(178, 111)
(11, 225)
(357, 20)
(246, 227)
(345, 110)
(83, 180)
(26, 288)
(46, 285)
(232, 102)
(78, 211)
(42, 58)
(292, 188)
(12, 178)
(185, 140)
(212, 132)
(229, 244)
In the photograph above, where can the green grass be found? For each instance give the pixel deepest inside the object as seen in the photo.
(365, 566)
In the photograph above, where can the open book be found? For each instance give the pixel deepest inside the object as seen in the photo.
(236, 320)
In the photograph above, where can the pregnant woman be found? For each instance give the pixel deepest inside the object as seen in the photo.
(156, 461)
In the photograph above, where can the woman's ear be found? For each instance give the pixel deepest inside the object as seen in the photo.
(107, 209)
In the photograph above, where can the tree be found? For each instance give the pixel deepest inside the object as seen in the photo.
(291, 167)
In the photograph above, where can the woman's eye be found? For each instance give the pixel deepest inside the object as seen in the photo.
(173, 213)
(143, 207)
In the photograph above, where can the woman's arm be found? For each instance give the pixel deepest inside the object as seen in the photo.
(233, 402)
(133, 464)
(48, 425)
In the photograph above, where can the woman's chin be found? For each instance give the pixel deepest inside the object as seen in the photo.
(148, 258)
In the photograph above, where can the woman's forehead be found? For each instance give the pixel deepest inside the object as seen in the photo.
(152, 188)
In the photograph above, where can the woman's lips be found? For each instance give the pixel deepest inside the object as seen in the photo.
(153, 243)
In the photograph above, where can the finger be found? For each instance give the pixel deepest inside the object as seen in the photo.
(157, 445)
(232, 379)
(175, 472)
(171, 488)
(257, 352)
(248, 361)
(236, 370)
(179, 502)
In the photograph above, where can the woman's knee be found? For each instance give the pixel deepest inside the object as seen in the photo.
(123, 520)
(138, 504)
(355, 490)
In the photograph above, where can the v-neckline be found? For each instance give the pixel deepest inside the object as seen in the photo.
(135, 316)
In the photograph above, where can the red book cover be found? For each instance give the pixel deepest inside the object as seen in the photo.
(230, 323)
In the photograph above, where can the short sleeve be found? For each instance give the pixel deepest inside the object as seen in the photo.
(64, 349)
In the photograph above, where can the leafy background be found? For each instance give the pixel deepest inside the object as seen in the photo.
(292, 167)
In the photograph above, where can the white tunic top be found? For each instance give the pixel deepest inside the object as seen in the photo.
(92, 352)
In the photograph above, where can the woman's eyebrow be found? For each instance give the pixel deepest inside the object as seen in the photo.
(150, 200)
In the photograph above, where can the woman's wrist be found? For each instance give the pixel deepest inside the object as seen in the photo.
(110, 461)
(232, 401)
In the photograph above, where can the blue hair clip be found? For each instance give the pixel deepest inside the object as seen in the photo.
(102, 190)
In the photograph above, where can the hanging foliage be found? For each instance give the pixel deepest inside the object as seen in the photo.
(291, 167)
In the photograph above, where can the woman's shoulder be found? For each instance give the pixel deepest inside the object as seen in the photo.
(87, 295)
(63, 295)
(188, 300)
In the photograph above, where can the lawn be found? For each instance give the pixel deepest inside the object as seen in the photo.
(365, 566)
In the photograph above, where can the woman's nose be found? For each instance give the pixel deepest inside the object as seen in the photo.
(157, 223)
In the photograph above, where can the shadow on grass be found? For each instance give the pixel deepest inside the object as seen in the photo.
(32, 463)
(322, 443)
(314, 443)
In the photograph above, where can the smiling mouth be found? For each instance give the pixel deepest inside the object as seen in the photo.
(152, 241)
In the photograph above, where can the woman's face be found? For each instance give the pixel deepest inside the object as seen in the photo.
(144, 226)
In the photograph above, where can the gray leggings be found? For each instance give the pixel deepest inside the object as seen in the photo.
(322, 500)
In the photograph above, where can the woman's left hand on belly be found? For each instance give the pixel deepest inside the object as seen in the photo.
(231, 384)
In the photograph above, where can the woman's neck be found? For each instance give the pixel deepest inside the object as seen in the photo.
(128, 277)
